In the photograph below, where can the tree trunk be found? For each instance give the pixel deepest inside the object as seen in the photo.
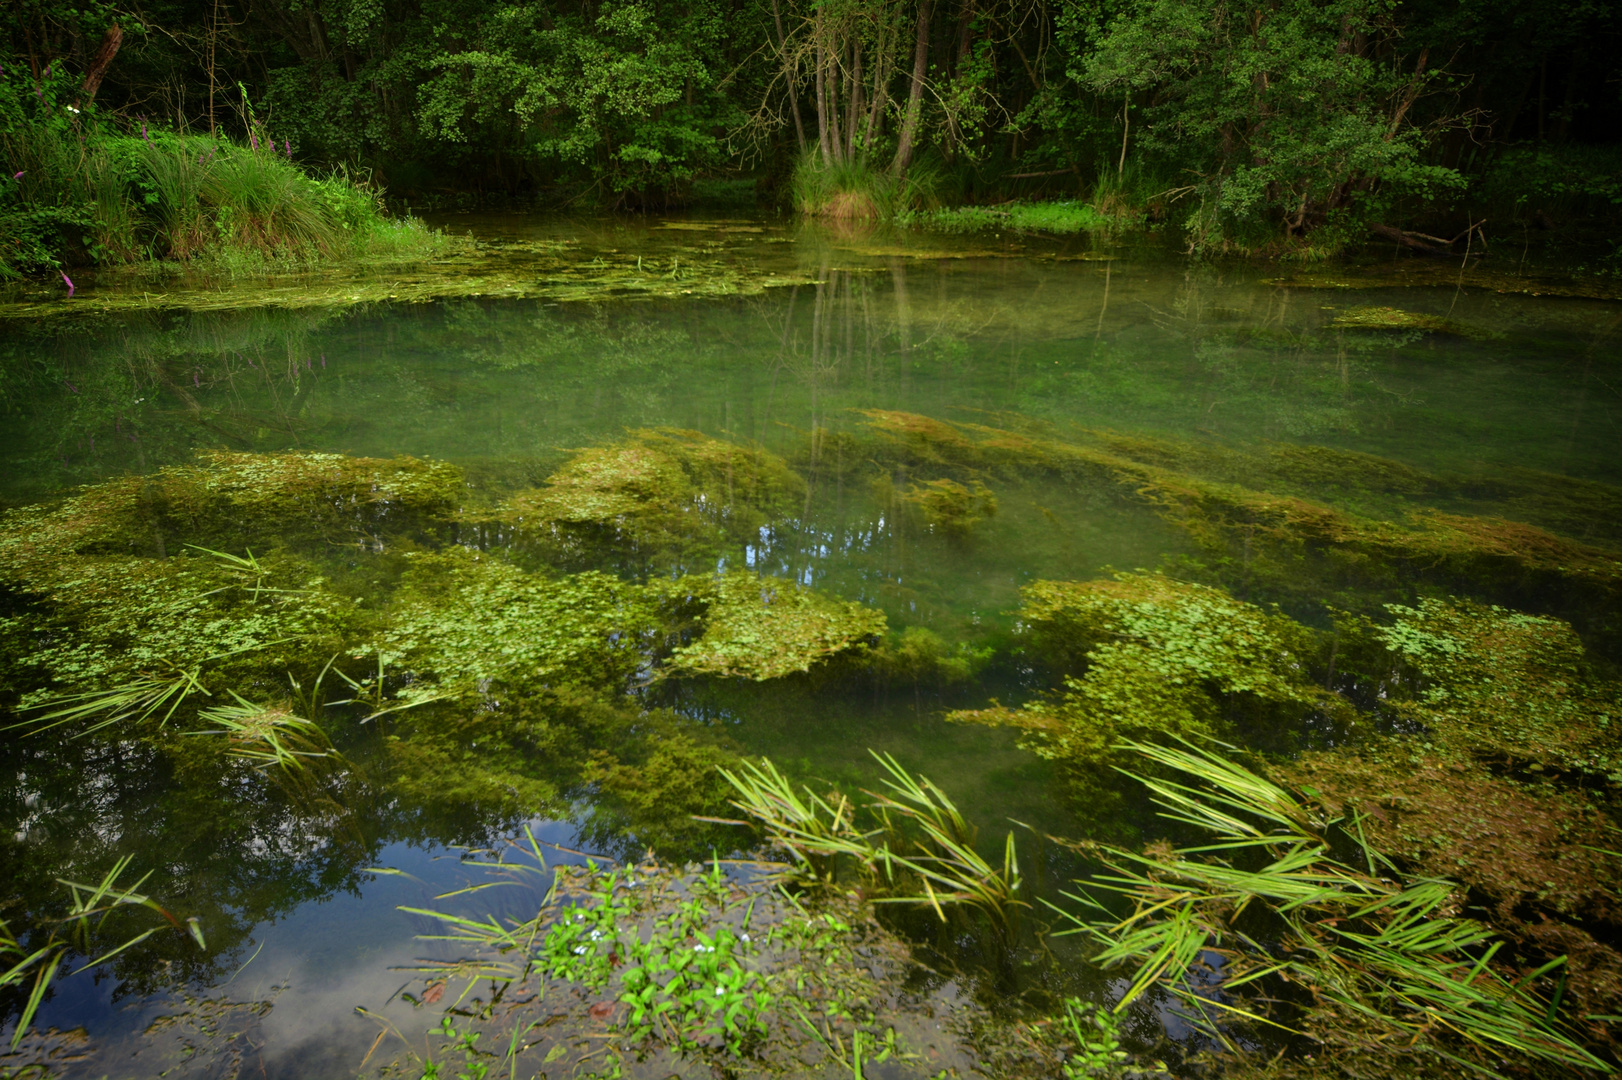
(101, 61)
(822, 94)
(915, 95)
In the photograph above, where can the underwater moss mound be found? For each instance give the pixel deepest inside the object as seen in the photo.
(1506, 685)
(1145, 656)
(664, 494)
(764, 628)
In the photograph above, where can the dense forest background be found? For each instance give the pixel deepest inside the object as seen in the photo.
(1245, 123)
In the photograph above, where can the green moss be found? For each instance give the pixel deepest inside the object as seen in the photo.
(764, 628)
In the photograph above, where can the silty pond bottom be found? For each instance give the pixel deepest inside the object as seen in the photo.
(539, 546)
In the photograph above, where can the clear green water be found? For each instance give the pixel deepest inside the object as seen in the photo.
(578, 348)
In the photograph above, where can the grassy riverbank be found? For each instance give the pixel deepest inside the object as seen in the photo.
(83, 190)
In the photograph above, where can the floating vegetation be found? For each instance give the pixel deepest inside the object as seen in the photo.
(1260, 927)
(1389, 318)
(506, 269)
(464, 617)
(651, 970)
(950, 508)
(1145, 656)
(764, 628)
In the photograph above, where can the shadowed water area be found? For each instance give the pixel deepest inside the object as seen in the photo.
(541, 536)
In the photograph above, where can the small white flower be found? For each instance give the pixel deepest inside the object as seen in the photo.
(743, 937)
(719, 990)
(580, 950)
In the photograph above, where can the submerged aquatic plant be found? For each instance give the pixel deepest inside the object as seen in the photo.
(665, 495)
(761, 628)
(951, 508)
(1504, 684)
(1261, 925)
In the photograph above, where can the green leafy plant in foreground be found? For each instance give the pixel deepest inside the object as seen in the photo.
(684, 984)
(1264, 927)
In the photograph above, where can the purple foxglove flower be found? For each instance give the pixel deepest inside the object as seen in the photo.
(288, 143)
(253, 142)
(70, 283)
(19, 175)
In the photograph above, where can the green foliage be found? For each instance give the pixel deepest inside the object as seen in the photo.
(1097, 1036)
(1062, 218)
(629, 92)
(1346, 952)
(858, 191)
(89, 190)
(1290, 113)
(685, 982)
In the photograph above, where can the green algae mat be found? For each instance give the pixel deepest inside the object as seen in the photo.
(683, 647)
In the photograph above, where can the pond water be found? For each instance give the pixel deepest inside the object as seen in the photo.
(827, 350)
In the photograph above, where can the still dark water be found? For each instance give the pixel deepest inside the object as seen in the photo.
(1061, 336)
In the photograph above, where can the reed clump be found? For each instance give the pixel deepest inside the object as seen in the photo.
(1282, 917)
(908, 845)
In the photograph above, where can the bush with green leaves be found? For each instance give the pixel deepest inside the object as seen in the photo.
(1296, 118)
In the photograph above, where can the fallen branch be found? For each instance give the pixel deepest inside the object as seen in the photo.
(1412, 240)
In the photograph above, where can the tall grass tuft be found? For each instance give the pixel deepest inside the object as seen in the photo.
(855, 191)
